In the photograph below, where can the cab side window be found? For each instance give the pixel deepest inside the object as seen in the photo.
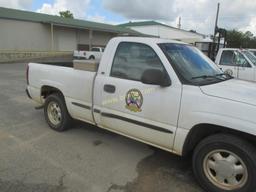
(133, 59)
(227, 58)
(240, 60)
(96, 49)
(233, 58)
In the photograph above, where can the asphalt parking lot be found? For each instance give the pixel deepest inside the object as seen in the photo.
(34, 158)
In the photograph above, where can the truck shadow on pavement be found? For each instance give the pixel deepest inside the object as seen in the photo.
(19, 186)
(159, 172)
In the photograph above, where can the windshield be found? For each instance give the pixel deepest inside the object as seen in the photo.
(250, 56)
(191, 65)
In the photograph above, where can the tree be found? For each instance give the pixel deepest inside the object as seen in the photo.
(238, 39)
(234, 38)
(248, 35)
(66, 14)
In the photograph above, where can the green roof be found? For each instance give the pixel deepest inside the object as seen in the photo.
(15, 14)
(143, 23)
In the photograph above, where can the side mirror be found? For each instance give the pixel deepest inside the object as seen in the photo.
(156, 77)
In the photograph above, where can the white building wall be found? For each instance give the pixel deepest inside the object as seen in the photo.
(21, 35)
(101, 38)
(64, 39)
(18, 35)
(169, 33)
(83, 37)
(148, 30)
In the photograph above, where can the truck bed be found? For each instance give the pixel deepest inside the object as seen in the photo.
(63, 77)
(86, 65)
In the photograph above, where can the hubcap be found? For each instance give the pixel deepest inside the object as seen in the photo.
(225, 169)
(54, 113)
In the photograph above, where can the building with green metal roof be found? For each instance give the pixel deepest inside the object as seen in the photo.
(164, 31)
(30, 31)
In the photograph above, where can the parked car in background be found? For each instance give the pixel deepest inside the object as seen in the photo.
(95, 53)
(239, 63)
(253, 51)
(164, 93)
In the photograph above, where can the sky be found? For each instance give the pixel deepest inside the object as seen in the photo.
(196, 15)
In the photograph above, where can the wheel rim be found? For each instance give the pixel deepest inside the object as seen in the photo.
(54, 113)
(225, 169)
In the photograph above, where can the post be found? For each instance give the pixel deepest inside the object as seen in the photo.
(90, 39)
(52, 40)
(179, 24)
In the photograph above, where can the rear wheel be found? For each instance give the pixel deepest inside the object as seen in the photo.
(56, 113)
(224, 163)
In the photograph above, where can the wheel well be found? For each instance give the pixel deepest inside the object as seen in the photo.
(201, 131)
(48, 90)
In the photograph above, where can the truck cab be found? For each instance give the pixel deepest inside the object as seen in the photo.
(239, 63)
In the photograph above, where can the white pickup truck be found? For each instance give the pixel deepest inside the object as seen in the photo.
(163, 93)
(95, 53)
(239, 63)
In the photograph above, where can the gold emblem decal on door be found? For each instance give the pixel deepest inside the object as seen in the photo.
(134, 100)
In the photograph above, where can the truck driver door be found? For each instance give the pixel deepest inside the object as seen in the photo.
(146, 112)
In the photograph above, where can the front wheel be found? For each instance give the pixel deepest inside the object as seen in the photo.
(91, 57)
(225, 163)
(56, 113)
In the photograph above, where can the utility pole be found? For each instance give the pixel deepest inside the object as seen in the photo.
(216, 23)
(213, 52)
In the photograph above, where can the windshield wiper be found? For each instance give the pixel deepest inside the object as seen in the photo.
(213, 76)
(203, 77)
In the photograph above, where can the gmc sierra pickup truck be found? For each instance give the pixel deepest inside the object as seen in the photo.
(164, 93)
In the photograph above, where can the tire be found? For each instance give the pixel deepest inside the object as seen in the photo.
(92, 57)
(225, 158)
(56, 113)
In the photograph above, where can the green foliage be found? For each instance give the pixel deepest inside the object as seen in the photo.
(66, 14)
(238, 39)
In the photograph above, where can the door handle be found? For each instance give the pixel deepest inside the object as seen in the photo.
(109, 88)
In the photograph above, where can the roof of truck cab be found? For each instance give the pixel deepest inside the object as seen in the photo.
(148, 40)
(231, 49)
